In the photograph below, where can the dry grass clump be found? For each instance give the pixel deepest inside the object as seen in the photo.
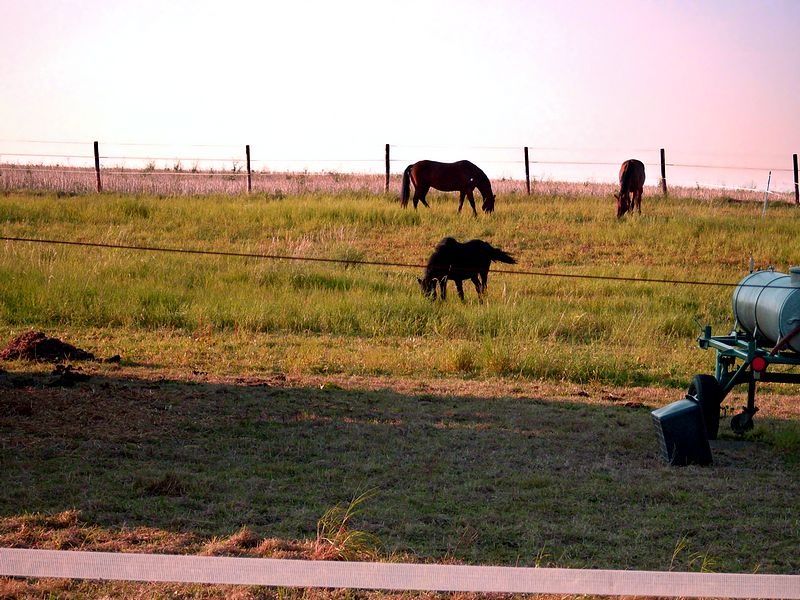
(337, 540)
(279, 548)
(169, 484)
(66, 531)
(241, 542)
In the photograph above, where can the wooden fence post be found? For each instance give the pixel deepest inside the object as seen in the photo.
(663, 173)
(527, 172)
(249, 180)
(97, 166)
(386, 189)
(796, 181)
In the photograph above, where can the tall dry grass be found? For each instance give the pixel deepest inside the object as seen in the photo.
(180, 182)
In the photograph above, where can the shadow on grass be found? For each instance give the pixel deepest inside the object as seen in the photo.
(506, 481)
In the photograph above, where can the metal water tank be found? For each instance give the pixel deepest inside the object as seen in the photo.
(766, 305)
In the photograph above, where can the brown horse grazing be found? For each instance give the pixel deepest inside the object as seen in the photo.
(631, 181)
(453, 260)
(461, 176)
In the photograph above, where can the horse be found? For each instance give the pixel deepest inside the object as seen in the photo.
(459, 261)
(631, 181)
(461, 176)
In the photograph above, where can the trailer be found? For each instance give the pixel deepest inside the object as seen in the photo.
(763, 346)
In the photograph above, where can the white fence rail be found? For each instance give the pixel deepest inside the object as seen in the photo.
(16, 562)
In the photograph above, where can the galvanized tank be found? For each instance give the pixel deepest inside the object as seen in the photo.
(766, 304)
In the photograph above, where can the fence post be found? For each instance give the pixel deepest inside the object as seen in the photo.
(527, 172)
(97, 166)
(663, 173)
(386, 189)
(249, 181)
(796, 181)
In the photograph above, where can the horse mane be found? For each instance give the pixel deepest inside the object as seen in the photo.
(442, 247)
(482, 182)
(624, 183)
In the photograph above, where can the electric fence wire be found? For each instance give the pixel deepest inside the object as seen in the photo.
(351, 262)
(265, 161)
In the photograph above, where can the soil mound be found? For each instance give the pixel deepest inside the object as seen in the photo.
(35, 345)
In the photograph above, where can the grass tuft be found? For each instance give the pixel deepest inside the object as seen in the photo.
(337, 540)
(239, 543)
(168, 484)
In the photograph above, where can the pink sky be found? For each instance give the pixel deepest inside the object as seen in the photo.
(712, 82)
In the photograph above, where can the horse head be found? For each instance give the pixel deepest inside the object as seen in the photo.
(428, 285)
(623, 204)
(488, 203)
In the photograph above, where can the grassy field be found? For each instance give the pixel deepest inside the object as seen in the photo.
(372, 320)
(254, 395)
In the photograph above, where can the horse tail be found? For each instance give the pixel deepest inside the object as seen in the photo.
(500, 256)
(405, 189)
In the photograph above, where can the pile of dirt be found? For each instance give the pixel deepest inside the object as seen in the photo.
(35, 345)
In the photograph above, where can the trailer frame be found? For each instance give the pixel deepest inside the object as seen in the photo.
(755, 361)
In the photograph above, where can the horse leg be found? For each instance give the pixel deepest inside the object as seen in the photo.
(460, 289)
(471, 199)
(479, 287)
(443, 287)
(461, 201)
(424, 192)
(639, 201)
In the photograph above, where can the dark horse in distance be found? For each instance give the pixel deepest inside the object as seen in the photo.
(631, 182)
(453, 260)
(461, 176)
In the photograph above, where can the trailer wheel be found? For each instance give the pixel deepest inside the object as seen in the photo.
(708, 392)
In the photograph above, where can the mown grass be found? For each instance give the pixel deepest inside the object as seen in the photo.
(512, 476)
(570, 329)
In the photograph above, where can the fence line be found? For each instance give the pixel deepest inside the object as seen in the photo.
(733, 168)
(30, 155)
(379, 160)
(227, 570)
(112, 143)
(388, 160)
(378, 263)
(90, 171)
(402, 145)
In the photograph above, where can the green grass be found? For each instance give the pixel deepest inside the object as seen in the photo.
(531, 326)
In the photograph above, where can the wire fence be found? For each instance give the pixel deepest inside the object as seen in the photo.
(230, 169)
(389, 264)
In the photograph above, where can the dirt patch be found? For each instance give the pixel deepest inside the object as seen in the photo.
(67, 376)
(36, 346)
